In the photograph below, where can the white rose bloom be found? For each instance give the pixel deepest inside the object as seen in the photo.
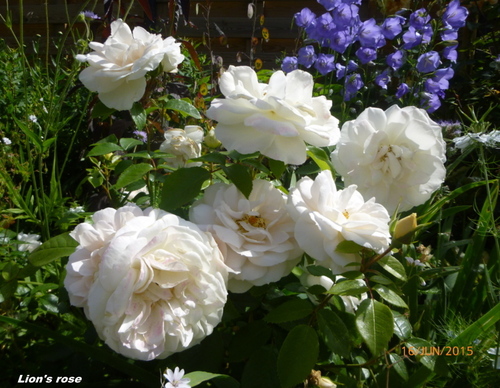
(275, 119)
(396, 156)
(151, 283)
(30, 242)
(255, 234)
(324, 217)
(119, 65)
(184, 144)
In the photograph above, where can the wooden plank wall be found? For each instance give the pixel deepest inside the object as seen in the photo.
(207, 18)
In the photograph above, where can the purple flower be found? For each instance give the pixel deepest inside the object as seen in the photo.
(366, 54)
(391, 27)
(383, 79)
(91, 15)
(430, 102)
(427, 33)
(428, 62)
(402, 90)
(449, 33)
(305, 17)
(340, 40)
(345, 15)
(141, 135)
(351, 86)
(370, 35)
(324, 63)
(343, 70)
(325, 25)
(396, 59)
(450, 53)
(455, 15)
(412, 38)
(419, 18)
(440, 81)
(306, 56)
(289, 64)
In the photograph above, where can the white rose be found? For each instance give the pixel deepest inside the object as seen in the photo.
(119, 65)
(255, 234)
(151, 283)
(396, 156)
(184, 144)
(275, 119)
(325, 217)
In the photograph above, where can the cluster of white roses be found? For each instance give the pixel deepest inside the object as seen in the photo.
(154, 284)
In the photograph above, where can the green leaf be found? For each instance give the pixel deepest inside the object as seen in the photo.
(52, 249)
(421, 346)
(390, 295)
(241, 177)
(248, 339)
(132, 174)
(334, 332)
(402, 327)
(138, 115)
(260, 370)
(212, 157)
(103, 149)
(348, 247)
(35, 138)
(375, 323)
(291, 310)
(318, 270)
(349, 287)
(199, 377)
(321, 158)
(398, 364)
(297, 355)
(128, 143)
(182, 186)
(183, 107)
(101, 111)
(393, 266)
(277, 167)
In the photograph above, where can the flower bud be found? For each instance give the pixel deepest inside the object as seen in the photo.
(405, 229)
(210, 140)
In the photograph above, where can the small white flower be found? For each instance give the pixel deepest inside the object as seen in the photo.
(415, 263)
(32, 118)
(276, 119)
(255, 235)
(175, 378)
(30, 242)
(185, 144)
(6, 141)
(396, 156)
(76, 210)
(325, 217)
(118, 67)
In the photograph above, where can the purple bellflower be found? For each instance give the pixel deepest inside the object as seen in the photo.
(289, 64)
(428, 62)
(419, 18)
(412, 38)
(402, 90)
(306, 56)
(455, 15)
(366, 54)
(383, 79)
(352, 84)
(396, 59)
(324, 63)
(304, 18)
(370, 34)
(391, 27)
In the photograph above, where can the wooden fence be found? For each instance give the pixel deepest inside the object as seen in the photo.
(224, 25)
